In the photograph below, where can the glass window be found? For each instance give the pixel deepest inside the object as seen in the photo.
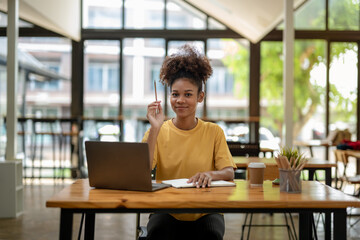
(3, 21)
(95, 77)
(213, 24)
(3, 95)
(44, 78)
(102, 14)
(173, 48)
(142, 14)
(101, 78)
(271, 87)
(52, 55)
(174, 45)
(310, 92)
(311, 16)
(343, 87)
(228, 87)
(181, 15)
(343, 15)
(142, 62)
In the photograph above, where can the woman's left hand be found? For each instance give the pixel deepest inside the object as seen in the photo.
(201, 179)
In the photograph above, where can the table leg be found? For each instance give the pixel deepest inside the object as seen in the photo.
(328, 225)
(339, 224)
(66, 224)
(89, 226)
(328, 176)
(311, 174)
(305, 226)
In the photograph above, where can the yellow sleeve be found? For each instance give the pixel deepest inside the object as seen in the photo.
(146, 135)
(222, 155)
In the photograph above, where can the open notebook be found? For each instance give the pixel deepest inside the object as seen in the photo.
(182, 183)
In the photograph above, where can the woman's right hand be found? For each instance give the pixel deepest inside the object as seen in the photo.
(155, 114)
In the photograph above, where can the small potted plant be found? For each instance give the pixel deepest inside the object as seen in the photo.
(290, 162)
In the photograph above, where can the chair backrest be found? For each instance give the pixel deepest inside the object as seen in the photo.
(341, 156)
(244, 149)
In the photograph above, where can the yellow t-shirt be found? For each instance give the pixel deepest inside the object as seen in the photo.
(183, 153)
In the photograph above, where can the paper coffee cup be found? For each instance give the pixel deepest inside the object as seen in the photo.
(256, 172)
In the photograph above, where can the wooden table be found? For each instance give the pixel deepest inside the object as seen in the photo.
(312, 165)
(315, 143)
(315, 197)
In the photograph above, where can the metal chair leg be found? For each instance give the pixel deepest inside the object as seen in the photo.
(249, 228)
(41, 154)
(293, 226)
(313, 226)
(81, 224)
(243, 226)
(290, 228)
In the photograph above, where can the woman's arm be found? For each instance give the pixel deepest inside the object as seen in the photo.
(203, 179)
(156, 119)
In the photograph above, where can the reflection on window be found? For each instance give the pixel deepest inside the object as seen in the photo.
(142, 62)
(142, 14)
(309, 90)
(343, 15)
(213, 24)
(343, 88)
(311, 16)
(52, 56)
(102, 14)
(3, 97)
(271, 87)
(101, 78)
(183, 16)
(155, 77)
(174, 45)
(227, 89)
(143, 58)
(3, 21)
(222, 82)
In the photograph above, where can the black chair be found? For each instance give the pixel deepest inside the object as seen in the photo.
(243, 150)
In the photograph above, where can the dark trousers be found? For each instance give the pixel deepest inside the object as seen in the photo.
(165, 226)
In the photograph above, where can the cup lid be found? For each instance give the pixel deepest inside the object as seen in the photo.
(257, 165)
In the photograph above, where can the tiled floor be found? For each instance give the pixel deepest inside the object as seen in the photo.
(39, 222)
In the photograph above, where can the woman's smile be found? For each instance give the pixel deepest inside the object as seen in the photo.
(184, 98)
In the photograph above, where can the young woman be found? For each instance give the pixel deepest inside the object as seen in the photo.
(186, 147)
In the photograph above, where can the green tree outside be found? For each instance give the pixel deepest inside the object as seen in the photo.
(308, 95)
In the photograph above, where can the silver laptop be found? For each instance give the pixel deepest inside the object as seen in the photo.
(120, 165)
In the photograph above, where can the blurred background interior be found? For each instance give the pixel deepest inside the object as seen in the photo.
(119, 54)
(95, 84)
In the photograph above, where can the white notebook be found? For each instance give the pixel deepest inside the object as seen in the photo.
(182, 183)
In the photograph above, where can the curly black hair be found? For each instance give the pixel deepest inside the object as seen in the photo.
(188, 63)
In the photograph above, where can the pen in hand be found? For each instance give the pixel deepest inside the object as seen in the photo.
(157, 109)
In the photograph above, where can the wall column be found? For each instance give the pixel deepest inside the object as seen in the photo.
(288, 74)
